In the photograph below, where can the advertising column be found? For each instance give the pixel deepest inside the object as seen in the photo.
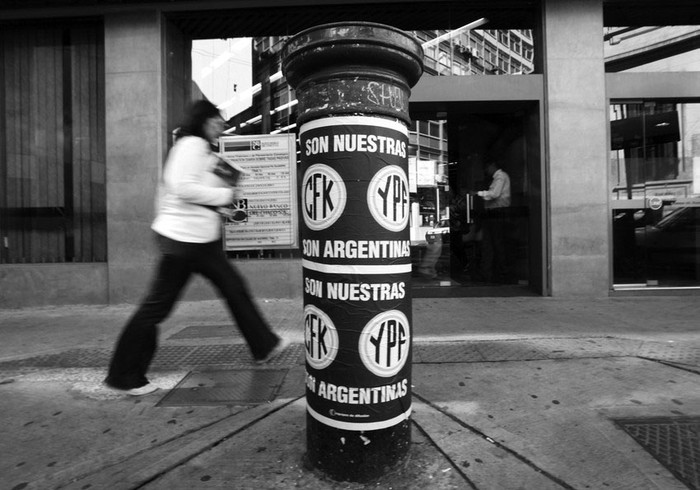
(353, 82)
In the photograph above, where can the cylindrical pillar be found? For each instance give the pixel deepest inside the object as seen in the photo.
(352, 84)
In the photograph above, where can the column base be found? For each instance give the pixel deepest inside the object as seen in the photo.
(356, 456)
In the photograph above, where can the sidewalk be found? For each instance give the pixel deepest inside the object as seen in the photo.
(509, 393)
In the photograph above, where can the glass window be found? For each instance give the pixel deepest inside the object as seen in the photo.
(243, 77)
(652, 48)
(655, 163)
(52, 144)
(516, 45)
(655, 176)
(462, 51)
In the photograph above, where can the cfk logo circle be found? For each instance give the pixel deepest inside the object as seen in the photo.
(387, 198)
(323, 196)
(384, 343)
(320, 338)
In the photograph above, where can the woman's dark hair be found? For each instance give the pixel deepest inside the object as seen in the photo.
(195, 118)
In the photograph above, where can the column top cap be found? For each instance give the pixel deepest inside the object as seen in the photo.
(352, 43)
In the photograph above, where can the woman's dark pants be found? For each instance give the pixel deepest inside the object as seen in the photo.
(137, 343)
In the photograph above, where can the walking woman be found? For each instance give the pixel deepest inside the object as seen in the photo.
(188, 234)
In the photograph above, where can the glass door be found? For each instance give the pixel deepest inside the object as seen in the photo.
(466, 241)
(655, 172)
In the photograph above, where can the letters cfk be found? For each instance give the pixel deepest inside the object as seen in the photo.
(316, 336)
(317, 196)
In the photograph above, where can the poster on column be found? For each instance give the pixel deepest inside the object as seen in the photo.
(356, 262)
(265, 214)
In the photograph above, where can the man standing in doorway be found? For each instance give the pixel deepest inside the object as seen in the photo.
(494, 260)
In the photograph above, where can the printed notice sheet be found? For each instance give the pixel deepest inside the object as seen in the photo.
(265, 216)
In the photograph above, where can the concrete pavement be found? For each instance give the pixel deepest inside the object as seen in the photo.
(509, 393)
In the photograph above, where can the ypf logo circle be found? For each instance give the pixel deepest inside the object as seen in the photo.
(384, 343)
(387, 198)
(320, 338)
(323, 196)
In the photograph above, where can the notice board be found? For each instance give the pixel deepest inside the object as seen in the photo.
(265, 215)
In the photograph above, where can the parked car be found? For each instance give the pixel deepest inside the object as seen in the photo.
(439, 233)
(671, 247)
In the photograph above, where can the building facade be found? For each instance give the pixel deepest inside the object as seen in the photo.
(590, 106)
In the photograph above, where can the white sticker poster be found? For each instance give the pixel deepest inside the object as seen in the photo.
(354, 198)
(265, 216)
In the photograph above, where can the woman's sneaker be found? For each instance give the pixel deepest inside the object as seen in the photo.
(146, 389)
(282, 344)
(142, 390)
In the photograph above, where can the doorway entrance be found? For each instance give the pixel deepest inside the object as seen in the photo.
(462, 243)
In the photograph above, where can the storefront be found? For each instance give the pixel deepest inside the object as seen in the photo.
(595, 122)
(655, 195)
